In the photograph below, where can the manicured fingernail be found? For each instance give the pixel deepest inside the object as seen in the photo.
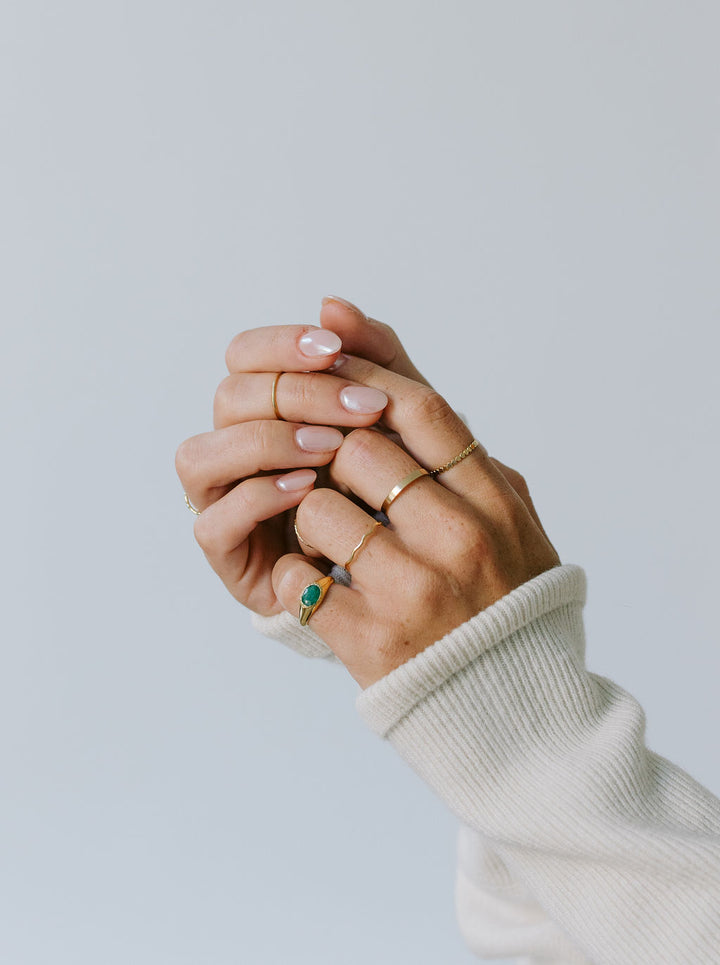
(319, 342)
(318, 438)
(343, 301)
(293, 482)
(361, 398)
(338, 363)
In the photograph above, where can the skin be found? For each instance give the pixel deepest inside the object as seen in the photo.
(456, 543)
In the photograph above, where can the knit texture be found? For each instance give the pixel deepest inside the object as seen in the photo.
(578, 843)
(286, 628)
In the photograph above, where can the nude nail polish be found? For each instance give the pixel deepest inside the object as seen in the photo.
(319, 343)
(362, 398)
(318, 438)
(293, 482)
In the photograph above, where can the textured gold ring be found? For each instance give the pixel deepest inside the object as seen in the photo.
(403, 484)
(459, 458)
(366, 537)
(190, 505)
(273, 397)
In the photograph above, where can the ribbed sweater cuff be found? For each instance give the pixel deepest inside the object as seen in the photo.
(385, 703)
(286, 628)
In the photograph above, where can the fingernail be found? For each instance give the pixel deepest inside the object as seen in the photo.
(343, 301)
(318, 438)
(361, 398)
(338, 363)
(293, 482)
(319, 342)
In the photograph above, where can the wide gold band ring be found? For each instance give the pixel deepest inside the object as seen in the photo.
(312, 596)
(403, 484)
(459, 458)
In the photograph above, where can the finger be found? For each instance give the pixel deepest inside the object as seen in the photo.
(336, 527)
(283, 348)
(371, 465)
(209, 462)
(517, 481)
(341, 620)
(431, 431)
(312, 397)
(367, 337)
(223, 531)
(430, 521)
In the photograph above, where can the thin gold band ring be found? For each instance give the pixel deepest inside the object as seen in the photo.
(299, 537)
(273, 397)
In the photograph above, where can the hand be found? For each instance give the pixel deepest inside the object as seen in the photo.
(456, 543)
(246, 514)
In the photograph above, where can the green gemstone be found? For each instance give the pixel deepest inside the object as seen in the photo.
(311, 594)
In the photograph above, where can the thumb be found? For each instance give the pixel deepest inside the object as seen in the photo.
(367, 337)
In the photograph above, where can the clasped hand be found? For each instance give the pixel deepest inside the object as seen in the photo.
(456, 542)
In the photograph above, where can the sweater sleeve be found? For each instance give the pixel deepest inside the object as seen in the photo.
(577, 843)
(286, 628)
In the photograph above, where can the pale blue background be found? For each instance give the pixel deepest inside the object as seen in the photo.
(528, 192)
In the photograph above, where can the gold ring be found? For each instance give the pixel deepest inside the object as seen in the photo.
(273, 397)
(366, 537)
(403, 484)
(190, 505)
(299, 537)
(459, 458)
(312, 596)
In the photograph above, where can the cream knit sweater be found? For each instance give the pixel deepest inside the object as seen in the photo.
(577, 844)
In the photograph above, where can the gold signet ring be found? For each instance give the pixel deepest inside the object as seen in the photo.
(312, 596)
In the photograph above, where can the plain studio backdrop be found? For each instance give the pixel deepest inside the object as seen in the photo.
(528, 193)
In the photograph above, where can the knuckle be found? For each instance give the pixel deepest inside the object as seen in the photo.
(358, 445)
(258, 437)
(519, 484)
(426, 585)
(233, 351)
(513, 514)
(187, 458)
(389, 331)
(466, 540)
(515, 478)
(204, 531)
(303, 390)
(517, 481)
(431, 408)
(314, 504)
(224, 396)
